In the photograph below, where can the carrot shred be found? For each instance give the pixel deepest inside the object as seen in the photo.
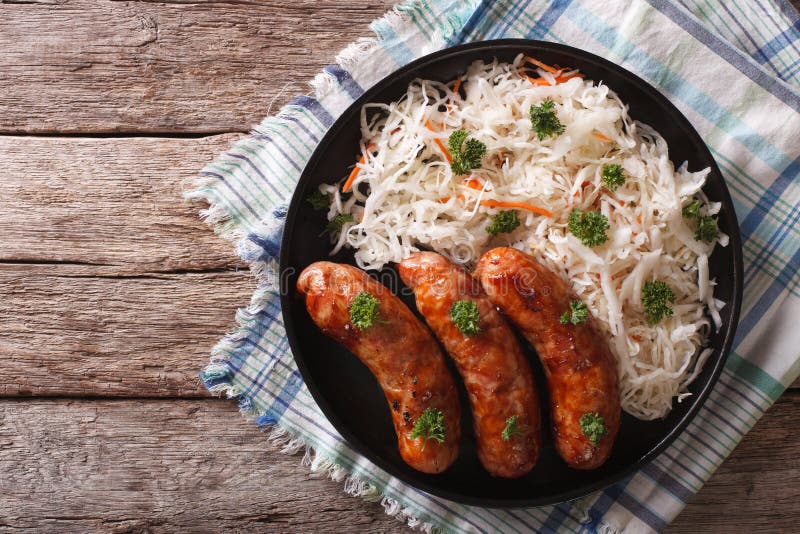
(473, 184)
(537, 81)
(444, 200)
(538, 63)
(601, 136)
(352, 177)
(639, 219)
(562, 79)
(519, 205)
(439, 142)
(457, 85)
(635, 337)
(558, 79)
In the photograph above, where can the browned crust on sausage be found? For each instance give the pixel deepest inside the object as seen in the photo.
(400, 352)
(580, 368)
(497, 376)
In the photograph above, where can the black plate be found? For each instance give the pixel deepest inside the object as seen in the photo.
(349, 395)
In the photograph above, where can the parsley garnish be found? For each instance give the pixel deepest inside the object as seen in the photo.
(578, 313)
(364, 311)
(544, 121)
(336, 224)
(466, 317)
(511, 428)
(707, 229)
(589, 227)
(429, 425)
(466, 156)
(656, 299)
(504, 222)
(613, 176)
(318, 200)
(692, 210)
(593, 427)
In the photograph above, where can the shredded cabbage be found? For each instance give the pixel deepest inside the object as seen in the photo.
(405, 196)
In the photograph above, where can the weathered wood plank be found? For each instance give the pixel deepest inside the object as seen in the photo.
(758, 486)
(86, 330)
(146, 466)
(88, 66)
(108, 201)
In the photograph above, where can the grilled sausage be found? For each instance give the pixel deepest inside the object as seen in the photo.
(580, 368)
(399, 351)
(497, 376)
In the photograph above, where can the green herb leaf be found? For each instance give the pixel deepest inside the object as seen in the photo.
(593, 427)
(466, 317)
(466, 156)
(578, 313)
(318, 200)
(504, 222)
(656, 299)
(336, 224)
(707, 229)
(544, 120)
(364, 310)
(692, 210)
(429, 425)
(589, 227)
(511, 429)
(613, 176)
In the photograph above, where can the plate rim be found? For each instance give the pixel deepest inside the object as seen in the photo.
(701, 396)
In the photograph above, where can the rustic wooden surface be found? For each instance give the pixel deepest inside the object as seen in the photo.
(114, 292)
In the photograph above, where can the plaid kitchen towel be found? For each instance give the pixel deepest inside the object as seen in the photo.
(733, 68)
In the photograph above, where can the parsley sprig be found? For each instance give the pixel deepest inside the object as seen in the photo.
(364, 311)
(466, 317)
(504, 222)
(691, 210)
(593, 427)
(657, 297)
(511, 429)
(429, 425)
(578, 313)
(707, 226)
(318, 200)
(589, 227)
(466, 153)
(613, 176)
(336, 224)
(544, 120)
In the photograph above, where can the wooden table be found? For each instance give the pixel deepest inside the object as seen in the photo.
(114, 292)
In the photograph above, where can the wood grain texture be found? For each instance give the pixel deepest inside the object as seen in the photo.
(758, 486)
(154, 466)
(108, 202)
(164, 67)
(83, 330)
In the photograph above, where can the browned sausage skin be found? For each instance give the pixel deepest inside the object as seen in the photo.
(399, 351)
(580, 368)
(497, 376)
